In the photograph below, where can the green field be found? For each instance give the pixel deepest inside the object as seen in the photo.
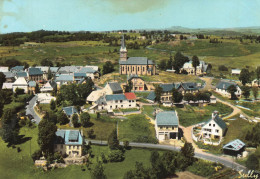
(136, 128)
(15, 164)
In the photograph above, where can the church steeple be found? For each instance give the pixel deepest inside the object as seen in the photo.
(123, 51)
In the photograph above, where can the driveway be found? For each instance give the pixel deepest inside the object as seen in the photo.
(30, 109)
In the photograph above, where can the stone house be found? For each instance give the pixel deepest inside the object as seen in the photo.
(21, 84)
(222, 88)
(69, 142)
(201, 69)
(35, 74)
(167, 125)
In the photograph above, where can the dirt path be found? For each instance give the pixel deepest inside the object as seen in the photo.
(208, 81)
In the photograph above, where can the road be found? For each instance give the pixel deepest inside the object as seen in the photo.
(214, 158)
(30, 109)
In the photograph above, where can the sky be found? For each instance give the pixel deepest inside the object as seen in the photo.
(105, 15)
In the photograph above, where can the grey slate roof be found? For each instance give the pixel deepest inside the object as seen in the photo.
(151, 96)
(167, 87)
(69, 137)
(115, 87)
(70, 110)
(64, 78)
(17, 68)
(21, 74)
(225, 84)
(9, 74)
(54, 69)
(137, 61)
(80, 75)
(115, 97)
(167, 118)
(189, 86)
(35, 71)
(219, 122)
(133, 76)
(87, 70)
(32, 83)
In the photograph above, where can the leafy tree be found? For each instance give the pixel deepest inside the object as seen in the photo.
(222, 68)
(195, 63)
(113, 142)
(37, 155)
(252, 136)
(255, 91)
(46, 62)
(158, 93)
(126, 144)
(75, 120)
(12, 63)
(129, 86)
(169, 63)
(98, 171)
(85, 119)
(19, 91)
(176, 96)
(162, 65)
(62, 118)
(91, 134)
(116, 156)
(232, 90)
(169, 163)
(53, 105)
(108, 67)
(85, 89)
(252, 162)
(188, 152)
(244, 76)
(245, 91)
(49, 74)
(46, 135)
(154, 158)
(2, 79)
(179, 60)
(138, 172)
(37, 89)
(10, 128)
(189, 97)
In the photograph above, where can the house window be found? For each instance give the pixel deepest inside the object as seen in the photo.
(167, 127)
(143, 68)
(172, 128)
(110, 107)
(69, 146)
(209, 124)
(123, 68)
(121, 106)
(213, 125)
(138, 68)
(129, 101)
(116, 106)
(61, 146)
(133, 68)
(121, 101)
(128, 68)
(133, 101)
(77, 147)
(160, 127)
(216, 131)
(129, 105)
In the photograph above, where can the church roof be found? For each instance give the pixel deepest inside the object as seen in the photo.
(137, 61)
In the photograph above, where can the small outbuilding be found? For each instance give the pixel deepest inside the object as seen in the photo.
(234, 148)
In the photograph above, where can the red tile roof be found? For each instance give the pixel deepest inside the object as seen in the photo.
(130, 96)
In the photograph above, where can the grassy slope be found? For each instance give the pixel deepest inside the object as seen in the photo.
(20, 165)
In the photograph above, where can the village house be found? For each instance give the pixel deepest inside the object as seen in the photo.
(113, 88)
(166, 96)
(45, 98)
(68, 70)
(116, 101)
(8, 86)
(49, 87)
(64, 80)
(9, 77)
(17, 69)
(45, 70)
(200, 70)
(167, 125)
(70, 110)
(21, 84)
(69, 142)
(32, 87)
(90, 71)
(215, 128)
(22, 74)
(134, 65)
(54, 70)
(79, 76)
(35, 74)
(95, 95)
(222, 88)
(137, 82)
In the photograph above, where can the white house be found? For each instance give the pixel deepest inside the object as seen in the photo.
(235, 72)
(49, 86)
(222, 87)
(7, 86)
(21, 84)
(95, 95)
(116, 101)
(45, 98)
(201, 69)
(167, 125)
(215, 128)
(3, 69)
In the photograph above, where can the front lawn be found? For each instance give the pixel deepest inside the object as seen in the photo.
(136, 128)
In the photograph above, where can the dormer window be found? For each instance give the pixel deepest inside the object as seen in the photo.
(213, 125)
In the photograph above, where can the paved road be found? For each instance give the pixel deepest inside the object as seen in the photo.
(30, 109)
(214, 158)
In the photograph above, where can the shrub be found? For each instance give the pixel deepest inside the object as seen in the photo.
(222, 68)
(37, 155)
(202, 168)
(116, 156)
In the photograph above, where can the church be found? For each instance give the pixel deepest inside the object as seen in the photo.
(134, 65)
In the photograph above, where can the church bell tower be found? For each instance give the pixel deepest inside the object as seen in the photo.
(123, 51)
